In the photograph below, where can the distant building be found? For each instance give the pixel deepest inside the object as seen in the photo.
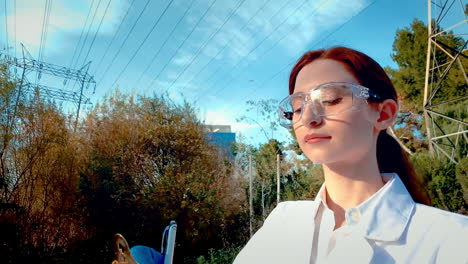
(222, 137)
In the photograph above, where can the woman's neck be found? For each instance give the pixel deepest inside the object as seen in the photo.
(348, 185)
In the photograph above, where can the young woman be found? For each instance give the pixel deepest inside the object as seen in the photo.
(370, 208)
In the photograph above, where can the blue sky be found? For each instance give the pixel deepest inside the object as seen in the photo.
(215, 53)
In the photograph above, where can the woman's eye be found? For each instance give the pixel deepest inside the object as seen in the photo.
(332, 102)
(298, 110)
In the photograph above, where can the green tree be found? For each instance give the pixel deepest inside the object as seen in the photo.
(265, 160)
(445, 190)
(410, 47)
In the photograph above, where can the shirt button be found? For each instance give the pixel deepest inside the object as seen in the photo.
(354, 216)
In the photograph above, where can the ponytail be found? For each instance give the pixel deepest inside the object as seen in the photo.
(392, 158)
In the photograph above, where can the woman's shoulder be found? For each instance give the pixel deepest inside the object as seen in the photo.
(289, 212)
(435, 216)
(447, 231)
(295, 206)
(290, 226)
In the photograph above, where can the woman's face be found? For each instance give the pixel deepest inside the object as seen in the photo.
(346, 137)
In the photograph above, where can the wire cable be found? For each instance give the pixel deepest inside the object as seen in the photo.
(81, 35)
(114, 36)
(260, 43)
(87, 34)
(153, 59)
(183, 42)
(226, 44)
(42, 30)
(143, 42)
(287, 66)
(14, 17)
(45, 26)
(97, 31)
(239, 4)
(125, 40)
(271, 48)
(46, 30)
(66, 83)
(220, 66)
(6, 28)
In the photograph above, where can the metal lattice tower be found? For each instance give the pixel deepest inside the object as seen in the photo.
(29, 65)
(446, 108)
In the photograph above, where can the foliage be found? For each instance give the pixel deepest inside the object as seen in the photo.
(266, 117)
(133, 165)
(443, 185)
(461, 173)
(219, 256)
(150, 163)
(410, 48)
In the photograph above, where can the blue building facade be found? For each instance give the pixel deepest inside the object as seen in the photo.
(222, 137)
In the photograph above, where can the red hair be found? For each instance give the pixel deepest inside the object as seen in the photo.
(390, 155)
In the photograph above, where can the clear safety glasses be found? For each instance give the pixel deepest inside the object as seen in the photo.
(324, 100)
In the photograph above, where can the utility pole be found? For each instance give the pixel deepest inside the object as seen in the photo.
(426, 80)
(277, 178)
(250, 194)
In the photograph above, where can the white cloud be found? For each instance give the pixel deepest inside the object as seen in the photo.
(225, 116)
(315, 23)
(302, 25)
(65, 17)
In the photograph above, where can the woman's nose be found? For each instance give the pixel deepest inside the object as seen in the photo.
(310, 117)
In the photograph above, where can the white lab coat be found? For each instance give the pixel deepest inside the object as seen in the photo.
(394, 230)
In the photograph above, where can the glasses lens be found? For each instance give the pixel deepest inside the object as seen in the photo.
(332, 98)
(327, 99)
(290, 109)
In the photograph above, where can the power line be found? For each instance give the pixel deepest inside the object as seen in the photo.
(263, 40)
(14, 10)
(66, 83)
(6, 27)
(42, 32)
(113, 37)
(271, 48)
(206, 42)
(287, 66)
(274, 15)
(81, 35)
(143, 42)
(87, 33)
(153, 59)
(97, 31)
(178, 48)
(125, 40)
(45, 29)
(226, 44)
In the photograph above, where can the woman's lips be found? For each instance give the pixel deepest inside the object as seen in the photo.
(310, 139)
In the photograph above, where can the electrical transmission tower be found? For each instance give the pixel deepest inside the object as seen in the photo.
(445, 100)
(29, 65)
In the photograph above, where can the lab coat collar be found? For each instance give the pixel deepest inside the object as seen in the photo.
(385, 215)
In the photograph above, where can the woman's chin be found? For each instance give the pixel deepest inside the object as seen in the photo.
(318, 160)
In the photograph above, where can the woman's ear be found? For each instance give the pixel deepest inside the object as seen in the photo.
(386, 114)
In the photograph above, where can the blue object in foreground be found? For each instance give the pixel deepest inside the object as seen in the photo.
(146, 255)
